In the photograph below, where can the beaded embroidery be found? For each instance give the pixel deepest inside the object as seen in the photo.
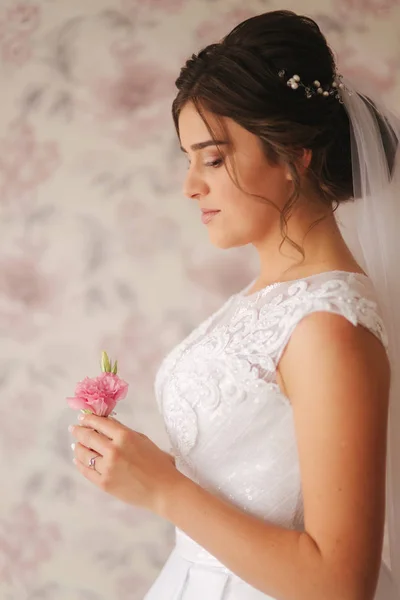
(218, 368)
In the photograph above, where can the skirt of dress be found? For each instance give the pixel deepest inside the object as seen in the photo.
(192, 573)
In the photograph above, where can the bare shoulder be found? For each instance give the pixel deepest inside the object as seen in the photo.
(332, 337)
(337, 377)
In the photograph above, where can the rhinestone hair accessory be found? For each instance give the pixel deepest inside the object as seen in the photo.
(316, 88)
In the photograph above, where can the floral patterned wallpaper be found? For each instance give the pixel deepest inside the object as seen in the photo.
(100, 250)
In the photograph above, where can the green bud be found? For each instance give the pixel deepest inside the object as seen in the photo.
(115, 368)
(85, 410)
(105, 363)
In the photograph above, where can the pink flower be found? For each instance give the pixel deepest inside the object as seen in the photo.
(215, 28)
(99, 395)
(16, 50)
(26, 544)
(132, 7)
(25, 163)
(373, 7)
(23, 17)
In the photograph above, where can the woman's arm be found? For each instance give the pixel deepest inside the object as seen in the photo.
(170, 456)
(280, 562)
(337, 378)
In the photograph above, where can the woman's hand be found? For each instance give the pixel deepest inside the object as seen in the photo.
(128, 464)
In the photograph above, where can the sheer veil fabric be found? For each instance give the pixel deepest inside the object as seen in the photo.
(370, 226)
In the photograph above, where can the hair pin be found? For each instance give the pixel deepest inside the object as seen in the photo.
(316, 88)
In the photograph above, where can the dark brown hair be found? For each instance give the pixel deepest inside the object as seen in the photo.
(238, 78)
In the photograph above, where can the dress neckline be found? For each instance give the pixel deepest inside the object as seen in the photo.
(242, 294)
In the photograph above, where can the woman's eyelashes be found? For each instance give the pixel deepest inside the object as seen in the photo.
(213, 163)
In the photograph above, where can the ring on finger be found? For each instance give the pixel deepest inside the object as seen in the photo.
(92, 461)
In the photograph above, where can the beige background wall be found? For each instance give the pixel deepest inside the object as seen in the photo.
(99, 249)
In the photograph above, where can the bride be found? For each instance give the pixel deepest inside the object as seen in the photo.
(286, 417)
(281, 408)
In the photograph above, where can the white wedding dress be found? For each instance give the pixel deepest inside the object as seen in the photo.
(230, 426)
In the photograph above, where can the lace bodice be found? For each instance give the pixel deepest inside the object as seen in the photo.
(230, 426)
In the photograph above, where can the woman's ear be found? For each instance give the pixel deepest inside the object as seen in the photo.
(302, 163)
(306, 159)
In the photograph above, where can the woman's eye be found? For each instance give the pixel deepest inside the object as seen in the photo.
(215, 163)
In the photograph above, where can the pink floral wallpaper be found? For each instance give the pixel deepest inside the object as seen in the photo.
(100, 250)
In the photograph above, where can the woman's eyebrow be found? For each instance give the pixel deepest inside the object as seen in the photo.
(201, 145)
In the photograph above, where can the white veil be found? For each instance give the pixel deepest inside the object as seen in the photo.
(370, 226)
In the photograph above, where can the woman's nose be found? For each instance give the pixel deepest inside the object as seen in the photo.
(194, 186)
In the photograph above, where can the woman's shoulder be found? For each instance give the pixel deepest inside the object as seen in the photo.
(284, 304)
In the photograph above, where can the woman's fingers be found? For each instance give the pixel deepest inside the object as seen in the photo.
(84, 455)
(91, 439)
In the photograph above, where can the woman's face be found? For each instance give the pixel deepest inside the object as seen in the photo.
(243, 219)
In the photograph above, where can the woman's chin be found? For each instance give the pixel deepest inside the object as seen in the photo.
(226, 242)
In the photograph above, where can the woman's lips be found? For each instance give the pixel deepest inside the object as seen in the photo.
(208, 215)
